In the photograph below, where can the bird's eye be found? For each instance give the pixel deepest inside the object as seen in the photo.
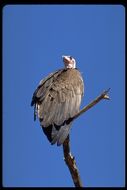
(71, 57)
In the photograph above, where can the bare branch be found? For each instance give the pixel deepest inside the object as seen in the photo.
(69, 159)
(91, 104)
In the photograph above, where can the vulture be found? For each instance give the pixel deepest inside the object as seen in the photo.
(57, 99)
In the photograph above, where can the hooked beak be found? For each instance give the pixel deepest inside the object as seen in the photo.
(65, 59)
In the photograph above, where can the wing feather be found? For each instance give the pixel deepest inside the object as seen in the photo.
(59, 96)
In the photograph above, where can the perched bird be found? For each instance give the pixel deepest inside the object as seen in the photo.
(56, 99)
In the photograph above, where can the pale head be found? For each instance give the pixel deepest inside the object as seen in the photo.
(69, 61)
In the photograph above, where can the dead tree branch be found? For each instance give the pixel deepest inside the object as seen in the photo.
(90, 105)
(69, 159)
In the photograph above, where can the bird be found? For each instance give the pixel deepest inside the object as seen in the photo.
(57, 99)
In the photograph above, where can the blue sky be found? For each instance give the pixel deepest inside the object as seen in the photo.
(34, 39)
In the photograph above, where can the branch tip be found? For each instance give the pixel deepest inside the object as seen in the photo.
(106, 97)
(106, 91)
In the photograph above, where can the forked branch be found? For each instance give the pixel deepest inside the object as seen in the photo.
(69, 159)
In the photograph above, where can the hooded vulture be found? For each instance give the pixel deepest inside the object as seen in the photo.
(56, 99)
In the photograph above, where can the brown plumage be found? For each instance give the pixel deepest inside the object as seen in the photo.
(58, 98)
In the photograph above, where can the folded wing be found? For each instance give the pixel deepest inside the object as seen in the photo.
(57, 99)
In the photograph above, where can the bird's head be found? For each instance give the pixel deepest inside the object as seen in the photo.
(69, 61)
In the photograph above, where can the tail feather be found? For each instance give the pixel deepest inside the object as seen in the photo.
(57, 134)
(62, 134)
